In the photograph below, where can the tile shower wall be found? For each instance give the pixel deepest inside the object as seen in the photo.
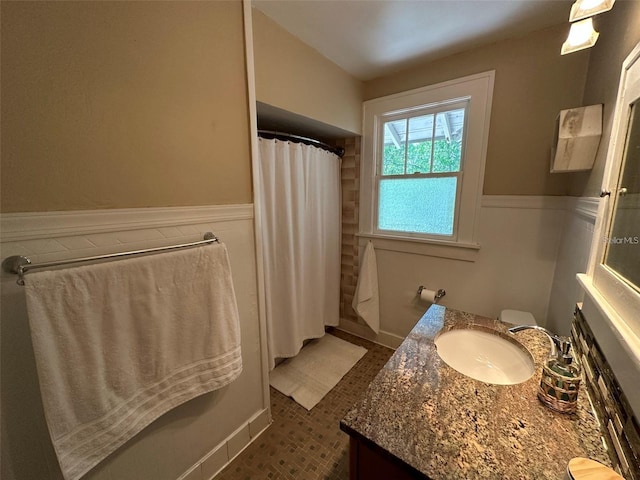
(350, 264)
(619, 426)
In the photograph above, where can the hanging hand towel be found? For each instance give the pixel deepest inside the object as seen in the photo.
(366, 300)
(118, 344)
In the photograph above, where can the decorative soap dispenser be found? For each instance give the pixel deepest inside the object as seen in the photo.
(560, 378)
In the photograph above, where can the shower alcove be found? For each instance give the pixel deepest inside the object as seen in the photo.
(275, 120)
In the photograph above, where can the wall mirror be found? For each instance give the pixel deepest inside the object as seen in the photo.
(623, 241)
(616, 252)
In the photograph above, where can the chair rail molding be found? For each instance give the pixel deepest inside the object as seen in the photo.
(38, 225)
(539, 202)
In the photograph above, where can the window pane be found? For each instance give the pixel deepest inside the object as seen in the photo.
(418, 205)
(448, 142)
(393, 152)
(419, 148)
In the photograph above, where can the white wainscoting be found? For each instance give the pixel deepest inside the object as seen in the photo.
(196, 439)
(520, 237)
(573, 258)
(47, 236)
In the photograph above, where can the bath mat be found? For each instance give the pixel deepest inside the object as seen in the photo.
(319, 366)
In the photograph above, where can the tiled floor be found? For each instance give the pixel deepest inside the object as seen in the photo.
(309, 445)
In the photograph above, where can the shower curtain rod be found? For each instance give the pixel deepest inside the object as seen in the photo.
(269, 134)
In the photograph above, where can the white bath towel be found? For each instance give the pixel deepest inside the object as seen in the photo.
(120, 343)
(366, 300)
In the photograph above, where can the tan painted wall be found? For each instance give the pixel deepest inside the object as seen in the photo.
(293, 76)
(123, 104)
(619, 33)
(533, 83)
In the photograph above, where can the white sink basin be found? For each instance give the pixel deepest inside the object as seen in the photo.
(485, 355)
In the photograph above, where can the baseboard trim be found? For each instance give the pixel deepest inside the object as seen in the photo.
(386, 339)
(212, 463)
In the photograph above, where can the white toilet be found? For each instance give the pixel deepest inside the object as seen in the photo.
(517, 317)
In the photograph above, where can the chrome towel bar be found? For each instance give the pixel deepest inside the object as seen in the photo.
(19, 264)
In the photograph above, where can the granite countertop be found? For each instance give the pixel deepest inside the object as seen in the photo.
(446, 425)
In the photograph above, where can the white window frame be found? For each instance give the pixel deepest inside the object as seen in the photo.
(617, 300)
(478, 91)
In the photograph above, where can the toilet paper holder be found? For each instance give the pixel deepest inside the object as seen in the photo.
(439, 294)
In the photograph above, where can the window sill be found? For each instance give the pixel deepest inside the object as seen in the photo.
(467, 252)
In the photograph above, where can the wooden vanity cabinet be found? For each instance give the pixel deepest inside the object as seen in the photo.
(368, 462)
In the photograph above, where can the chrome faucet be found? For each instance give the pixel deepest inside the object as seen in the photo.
(560, 346)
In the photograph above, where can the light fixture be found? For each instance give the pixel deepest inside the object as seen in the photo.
(587, 8)
(582, 35)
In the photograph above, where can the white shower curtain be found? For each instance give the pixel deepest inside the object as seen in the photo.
(300, 210)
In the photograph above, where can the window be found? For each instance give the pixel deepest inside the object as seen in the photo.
(420, 165)
(423, 162)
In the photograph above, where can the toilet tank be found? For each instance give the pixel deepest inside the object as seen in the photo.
(517, 317)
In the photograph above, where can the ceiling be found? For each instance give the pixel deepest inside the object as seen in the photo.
(373, 38)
